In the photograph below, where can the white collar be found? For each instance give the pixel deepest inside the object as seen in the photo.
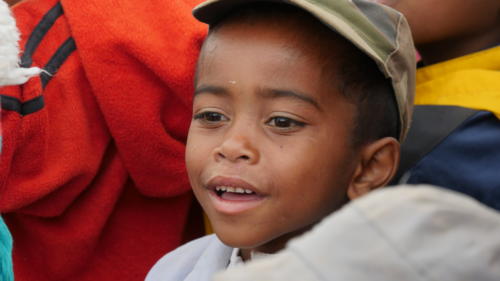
(236, 260)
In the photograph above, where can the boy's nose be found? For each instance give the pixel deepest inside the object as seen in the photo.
(237, 148)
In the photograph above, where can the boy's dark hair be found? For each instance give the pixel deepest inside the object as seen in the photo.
(360, 80)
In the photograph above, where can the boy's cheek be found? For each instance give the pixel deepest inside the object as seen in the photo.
(195, 157)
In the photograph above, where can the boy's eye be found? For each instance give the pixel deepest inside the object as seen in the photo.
(210, 117)
(285, 123)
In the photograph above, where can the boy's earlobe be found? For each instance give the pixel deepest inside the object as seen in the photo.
(378, 164)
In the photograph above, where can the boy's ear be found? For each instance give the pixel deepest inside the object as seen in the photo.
(377, 165)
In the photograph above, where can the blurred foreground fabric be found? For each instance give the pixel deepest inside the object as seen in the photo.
(398, 233)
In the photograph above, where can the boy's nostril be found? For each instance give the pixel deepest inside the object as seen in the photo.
(244, 157)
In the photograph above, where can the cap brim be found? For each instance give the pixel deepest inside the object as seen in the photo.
(210, 11)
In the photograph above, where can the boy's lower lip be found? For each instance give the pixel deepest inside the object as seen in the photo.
(234, 204)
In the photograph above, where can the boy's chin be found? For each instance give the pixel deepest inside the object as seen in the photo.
(246, 239)
(255, 240)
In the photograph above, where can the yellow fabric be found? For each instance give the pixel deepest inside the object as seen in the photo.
(471, 81)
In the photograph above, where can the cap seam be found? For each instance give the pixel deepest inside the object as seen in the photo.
(389, 57)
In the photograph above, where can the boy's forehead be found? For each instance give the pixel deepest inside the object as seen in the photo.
(262, 60)
(275, 39)
(301, 34)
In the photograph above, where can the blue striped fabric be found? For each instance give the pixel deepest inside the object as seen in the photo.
(6, 273)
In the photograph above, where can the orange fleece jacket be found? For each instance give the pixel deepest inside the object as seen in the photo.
(92, 177)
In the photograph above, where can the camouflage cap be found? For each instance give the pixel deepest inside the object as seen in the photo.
(379, 31)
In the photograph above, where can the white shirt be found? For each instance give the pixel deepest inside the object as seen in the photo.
(197, 260)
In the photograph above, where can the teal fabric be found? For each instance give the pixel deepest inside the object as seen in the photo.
(6, 273)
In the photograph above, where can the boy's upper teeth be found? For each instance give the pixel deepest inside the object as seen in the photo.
(233, 189)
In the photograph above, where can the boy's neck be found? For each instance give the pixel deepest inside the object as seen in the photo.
(440, 51)
(271, 248)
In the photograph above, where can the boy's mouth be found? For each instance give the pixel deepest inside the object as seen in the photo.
(231, 195)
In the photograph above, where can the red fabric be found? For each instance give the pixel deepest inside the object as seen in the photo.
(93, 186)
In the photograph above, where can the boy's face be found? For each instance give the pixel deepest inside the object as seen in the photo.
(268, 152)
(439, 20)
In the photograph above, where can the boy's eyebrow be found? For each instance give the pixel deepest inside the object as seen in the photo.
(280, 93)
(210, 89)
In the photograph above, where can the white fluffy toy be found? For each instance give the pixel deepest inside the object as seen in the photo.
(10, 72)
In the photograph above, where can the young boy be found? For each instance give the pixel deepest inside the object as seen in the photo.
(292, 118)
(459, 43)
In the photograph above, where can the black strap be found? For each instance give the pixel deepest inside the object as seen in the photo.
(23, 108)
(430, 126)
(50, 69)
(57, 60)
(39, 32)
